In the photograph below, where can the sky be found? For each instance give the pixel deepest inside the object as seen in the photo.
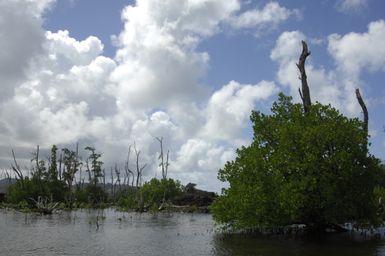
(111, 74)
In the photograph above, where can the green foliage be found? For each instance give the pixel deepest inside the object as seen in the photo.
(127, 201)
(71, 165)
(156, 191)
(311, 168)
(96, 194)
(28, 189)
(94, 165)
(45, 182)
(56, 182)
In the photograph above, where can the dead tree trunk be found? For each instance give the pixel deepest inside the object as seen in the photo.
(16, 168)
(117, 172)
(76, 161)
(104, 179)
(163, 165)
(139, 169)
(304, 92)
(8, 176)
(112, 184)
(365, 111)
(128, 170)
(60, 171)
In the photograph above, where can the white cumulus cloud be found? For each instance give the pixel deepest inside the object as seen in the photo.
(229, 109)
(62, 90)
(351, 6)
(271, 14)
(324, 85)
(355, 52)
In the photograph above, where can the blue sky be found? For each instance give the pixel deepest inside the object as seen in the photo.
(109, 73)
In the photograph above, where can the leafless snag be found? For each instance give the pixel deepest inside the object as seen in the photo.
(163, 165)
(104, 179)
(76, 158)
(88, 170)
(16, 168)
(44, 205)
(139, 169)
(37, 160)
(117, 172)
(364, 110)
(304, 92)
(112, 184)
(127, 169)
(8, 176)
(60, 165)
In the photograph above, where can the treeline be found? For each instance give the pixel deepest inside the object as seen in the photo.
(67, 181)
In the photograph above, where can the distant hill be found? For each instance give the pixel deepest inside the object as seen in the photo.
(5, 183)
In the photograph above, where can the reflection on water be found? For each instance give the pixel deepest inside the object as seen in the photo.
(244, 245)
(107, 232)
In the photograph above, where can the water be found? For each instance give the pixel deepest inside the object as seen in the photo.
(115, 233)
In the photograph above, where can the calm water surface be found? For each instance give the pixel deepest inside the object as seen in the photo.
(76, 233)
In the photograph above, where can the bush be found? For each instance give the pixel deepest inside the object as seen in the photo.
(155, 191)
(311, 168)
(28, 189)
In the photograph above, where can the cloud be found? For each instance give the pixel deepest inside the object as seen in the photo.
(198, 161)
(272, 14)
(62, 90)
(157, 50)
(353, 53)
(234, 102)
(351, 6)
(356, 52)
(21, 38)
(71, 51)
(324, 84)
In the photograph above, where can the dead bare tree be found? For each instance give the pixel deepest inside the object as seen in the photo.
(139, 169)
(60, 165)
(16, 168)
(364, 110)
(77, 159)
(45, 205)
(88, 170)
(37, 171)
(117, 172)
(304, 91)
(104, 179)
(8, 176)
(162, 164)
(37, 161)
(112, 184)
(127, 170)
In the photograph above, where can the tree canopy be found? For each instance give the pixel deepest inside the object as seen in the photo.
(312, 168)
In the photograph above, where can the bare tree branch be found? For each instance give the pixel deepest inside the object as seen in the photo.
(16, 167)
(364, 110)
(128, 170)
(138, 168)
(305, 95)
(163, 165)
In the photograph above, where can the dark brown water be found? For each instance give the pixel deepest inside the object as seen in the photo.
(116, 233)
